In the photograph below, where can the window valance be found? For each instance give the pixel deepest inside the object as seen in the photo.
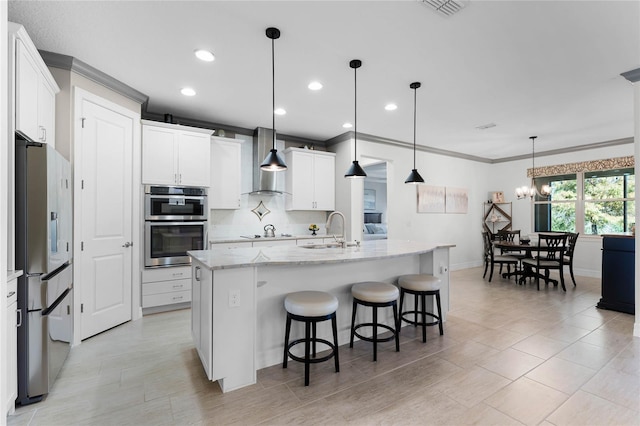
(583, 166)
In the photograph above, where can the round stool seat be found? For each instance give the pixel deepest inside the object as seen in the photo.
(311, 303)
(375, 292)
(419, 282)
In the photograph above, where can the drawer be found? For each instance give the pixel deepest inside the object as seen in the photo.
(166, 298)
(166, 274)
(166, 287)
(12, 292)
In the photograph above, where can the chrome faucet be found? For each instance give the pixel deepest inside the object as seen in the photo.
(328, 224)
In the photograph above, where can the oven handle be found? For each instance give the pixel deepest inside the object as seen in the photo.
(182, 222)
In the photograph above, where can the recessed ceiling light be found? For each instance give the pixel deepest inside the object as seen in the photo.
(280, 111)
(391, 107)
(315, 85)
(204, 55)
(347, 125)
(188, 91)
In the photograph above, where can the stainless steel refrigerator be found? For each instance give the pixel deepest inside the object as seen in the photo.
(44, 253)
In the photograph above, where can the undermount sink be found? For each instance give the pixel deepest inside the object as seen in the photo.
(321, 246)
(327, 245)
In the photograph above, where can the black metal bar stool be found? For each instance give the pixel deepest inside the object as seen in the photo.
(310, 307)
(377, 295)
(421, 286)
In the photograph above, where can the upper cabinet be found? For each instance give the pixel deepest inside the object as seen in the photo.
(226, 157)
(175, 155)
(35, 89)
(310, 179)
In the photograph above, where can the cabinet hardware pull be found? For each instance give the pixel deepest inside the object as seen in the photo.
(177, 297)
(177, 274)
(19, 312)
(11, 293)
(177, 286)
(197, 273)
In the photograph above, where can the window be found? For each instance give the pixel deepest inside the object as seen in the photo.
(609, 204)
(558, 212)
(592, 203)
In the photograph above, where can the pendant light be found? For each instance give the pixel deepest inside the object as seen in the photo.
(355, 171)
(414, 176)
(530, 192)
(273, 161)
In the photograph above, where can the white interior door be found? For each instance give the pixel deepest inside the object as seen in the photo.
(106, 144)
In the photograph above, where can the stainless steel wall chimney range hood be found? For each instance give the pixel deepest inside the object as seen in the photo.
(264, 182)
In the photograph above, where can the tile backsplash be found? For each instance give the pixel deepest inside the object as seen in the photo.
(243, 221)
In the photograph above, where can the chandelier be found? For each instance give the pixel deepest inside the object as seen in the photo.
(525, 191)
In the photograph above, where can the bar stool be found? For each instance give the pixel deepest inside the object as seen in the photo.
(421, 285)
(310, 307)
(377, 295)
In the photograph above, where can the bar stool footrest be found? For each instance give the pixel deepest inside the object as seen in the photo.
(371, 339)
(416, 323)
(311, 360)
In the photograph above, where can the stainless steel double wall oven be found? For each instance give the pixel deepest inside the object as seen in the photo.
(175, 222)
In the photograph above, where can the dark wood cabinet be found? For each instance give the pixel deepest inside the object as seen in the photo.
(618, 273)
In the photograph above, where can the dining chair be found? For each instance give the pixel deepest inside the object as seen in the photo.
(491, 259)
(572, 239)
(505, 235)
(549, 255)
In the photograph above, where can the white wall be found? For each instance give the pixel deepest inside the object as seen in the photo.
(480, 179)
(403, 221)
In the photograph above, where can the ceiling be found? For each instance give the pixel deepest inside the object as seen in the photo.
(545, 68)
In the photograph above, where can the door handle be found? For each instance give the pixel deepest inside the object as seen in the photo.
(19, 312)
(127, 244)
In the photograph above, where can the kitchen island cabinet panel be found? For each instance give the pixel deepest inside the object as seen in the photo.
(223, 324)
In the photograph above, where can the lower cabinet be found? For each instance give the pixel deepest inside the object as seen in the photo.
(11, 389)
(166, 286)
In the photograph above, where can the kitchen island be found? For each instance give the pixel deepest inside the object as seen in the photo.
(238, 317)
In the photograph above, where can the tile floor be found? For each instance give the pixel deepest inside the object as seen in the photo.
(510, 355)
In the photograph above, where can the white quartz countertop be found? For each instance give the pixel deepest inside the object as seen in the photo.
(223, 258)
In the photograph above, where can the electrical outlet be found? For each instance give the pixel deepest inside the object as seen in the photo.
(234, 298)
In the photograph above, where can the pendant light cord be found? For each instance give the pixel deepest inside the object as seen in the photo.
(355, 114)
(415, 96)
(273, 88)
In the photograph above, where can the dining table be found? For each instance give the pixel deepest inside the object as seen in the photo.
(528, 250)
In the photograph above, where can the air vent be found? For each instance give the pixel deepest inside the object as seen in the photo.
(486, 126)
(445, 7)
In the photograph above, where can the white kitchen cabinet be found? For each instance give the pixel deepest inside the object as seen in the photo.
(229, 245)
(270, 243)
(226, 158)
(310, 180)
(11, 383)
(166, 286)
(35, 89)
(175, 155)
(202, 316)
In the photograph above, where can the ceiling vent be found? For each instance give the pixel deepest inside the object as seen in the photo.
(445, 7)
(486, 126)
